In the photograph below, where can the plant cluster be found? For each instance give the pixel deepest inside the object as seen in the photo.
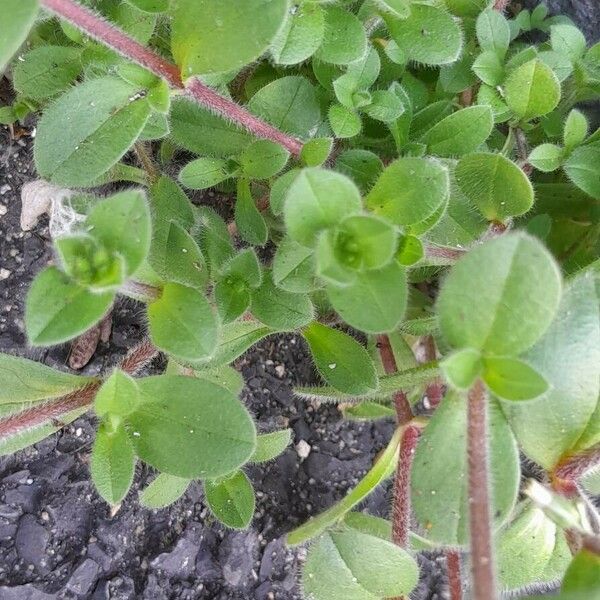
(413, 170)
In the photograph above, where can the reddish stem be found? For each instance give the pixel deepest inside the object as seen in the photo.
(116, 39)
(482, 565)
(453, 570)
(574, 467)
(401, 508)
(40, 414)
(403, 409)
(500, 5)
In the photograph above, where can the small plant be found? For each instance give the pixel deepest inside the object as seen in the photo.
(418, 172)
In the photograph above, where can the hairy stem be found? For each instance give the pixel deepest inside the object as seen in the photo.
(453, 570)
(41, 414)
(572, 468)
(403, 410)
(401, 508)
(482, 564)
(146, 162)
(116, 39)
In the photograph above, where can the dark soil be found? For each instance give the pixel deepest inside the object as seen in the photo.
(57, 537)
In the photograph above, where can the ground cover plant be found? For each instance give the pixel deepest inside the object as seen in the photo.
(416, 192)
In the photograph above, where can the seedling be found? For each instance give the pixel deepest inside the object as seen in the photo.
(417, 172)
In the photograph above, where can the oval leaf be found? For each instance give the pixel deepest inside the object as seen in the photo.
(231, 500)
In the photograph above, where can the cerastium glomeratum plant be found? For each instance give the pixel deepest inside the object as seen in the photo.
(417, 171)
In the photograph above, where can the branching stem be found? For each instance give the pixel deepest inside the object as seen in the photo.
(482, 563)
(41, 414)
(116, 39)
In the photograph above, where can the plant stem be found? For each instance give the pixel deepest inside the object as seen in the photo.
(572, 468)
(403, 409)
(116, 39)
(147, 162)
(500, 5)
(41, 414)
(453, 570)
(482, 565)
(401, 507)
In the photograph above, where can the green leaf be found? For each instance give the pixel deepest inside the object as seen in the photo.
(290, 104)
(439, 476)
(317, 200)
(58, 310)
(232, 298)
(461, 132)
(489, 68)
(112, 463)
(430, 35)
(18, 18)
(410, 250)
(300, 36)
(233, 34)
(583, 574)
(375, 303)
(582, 169)
(198, 130)
(294, 267)
(546, 157)
(409, 190)
(163, 491)
(501, 296)
(341, 360)
(236, 338)
(344, 121)
(344, 40)
(250, 223)
(263, 159)
(231, 500)
(462, 368)
(118, 396)
(280, 309)
(356, 566)
(495, 185)
(396, 8)
(279, 189)
(316, 151)
(576, 129)
(213, 237)
(73, 147)
(382, 468)
(156, 128)
(122, 224)
(366, 242)
(24, 380)
(362, 166)
(151, 6)
(531, 549)
(513, 379)
(385, 106)
(271, 445)
(568, 357)
(182, 323)
(333, 264)
(89, 263)
(191, 428)
(180, 260)
(493, 32)
(559, 63)
(532, 90)
(46, 71)
(204, 173)
(566, 39)
(368, 411)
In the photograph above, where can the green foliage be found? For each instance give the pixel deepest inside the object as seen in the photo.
(233, 34)
(19, 16)
(231, 500)
(414, 172)
(439, 474)
(356, 566)
(190, 428)
(341, 360)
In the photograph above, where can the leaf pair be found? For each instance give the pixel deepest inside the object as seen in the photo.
(111, 246)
